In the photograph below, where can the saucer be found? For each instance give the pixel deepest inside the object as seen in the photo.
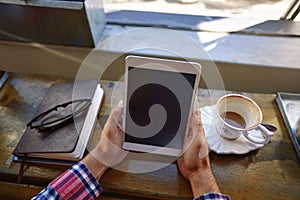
(221, 145)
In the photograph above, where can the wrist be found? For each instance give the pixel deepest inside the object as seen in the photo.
(95, 166)
(203, 181)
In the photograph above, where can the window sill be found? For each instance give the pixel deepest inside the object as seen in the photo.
(251, 61)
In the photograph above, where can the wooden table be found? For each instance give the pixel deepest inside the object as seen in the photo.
(271, 172)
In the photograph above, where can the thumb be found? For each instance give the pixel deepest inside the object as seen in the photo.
(117, 114)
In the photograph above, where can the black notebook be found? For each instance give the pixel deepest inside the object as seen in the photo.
(69, 141)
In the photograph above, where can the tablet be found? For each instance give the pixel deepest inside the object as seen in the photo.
(158, 101)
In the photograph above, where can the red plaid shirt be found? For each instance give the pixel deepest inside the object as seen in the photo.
(79, 183)
(76, 183)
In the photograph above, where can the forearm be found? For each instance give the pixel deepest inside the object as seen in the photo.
(81, 180)
(203, 181)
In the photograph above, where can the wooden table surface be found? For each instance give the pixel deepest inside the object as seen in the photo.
(271, 172)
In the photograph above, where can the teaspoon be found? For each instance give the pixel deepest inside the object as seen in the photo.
(269, 127)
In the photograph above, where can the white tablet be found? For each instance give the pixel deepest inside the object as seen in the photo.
(158, 102)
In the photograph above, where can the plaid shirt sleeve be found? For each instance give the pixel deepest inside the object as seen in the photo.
(79, 183)
(75, 183)
(213, 196)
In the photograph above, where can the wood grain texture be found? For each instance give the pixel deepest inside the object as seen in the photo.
(268, 173)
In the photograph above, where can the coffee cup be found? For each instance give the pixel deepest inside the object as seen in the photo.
(237, 115)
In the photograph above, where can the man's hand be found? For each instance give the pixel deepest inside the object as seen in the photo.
(109, 150)
(194, 163)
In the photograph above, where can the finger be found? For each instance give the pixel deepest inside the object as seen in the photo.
(192, 129)
(199, 116)
(195, 122)
(117, 114)
(188, 141)
(118, 110)
(121, 103)
(204, 150)
(196, 118)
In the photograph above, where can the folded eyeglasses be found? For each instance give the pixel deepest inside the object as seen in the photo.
(59, 115)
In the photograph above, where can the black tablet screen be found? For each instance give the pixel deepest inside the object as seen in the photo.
(158, 105)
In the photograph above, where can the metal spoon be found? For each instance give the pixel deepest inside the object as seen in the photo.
(269, 127)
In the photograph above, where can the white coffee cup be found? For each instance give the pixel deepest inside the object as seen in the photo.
(238, 114)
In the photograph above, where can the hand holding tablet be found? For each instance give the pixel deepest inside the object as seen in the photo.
(158, 102)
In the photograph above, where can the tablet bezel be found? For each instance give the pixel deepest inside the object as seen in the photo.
(161, 65)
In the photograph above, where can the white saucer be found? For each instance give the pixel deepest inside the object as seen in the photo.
(221, 145)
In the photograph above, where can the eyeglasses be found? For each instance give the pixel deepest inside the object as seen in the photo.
(59, 115)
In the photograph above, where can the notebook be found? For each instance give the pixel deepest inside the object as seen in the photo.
(69, 141)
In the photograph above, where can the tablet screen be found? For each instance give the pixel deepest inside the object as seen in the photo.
(158, 106)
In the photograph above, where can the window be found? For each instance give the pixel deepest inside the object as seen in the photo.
(254, 9)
